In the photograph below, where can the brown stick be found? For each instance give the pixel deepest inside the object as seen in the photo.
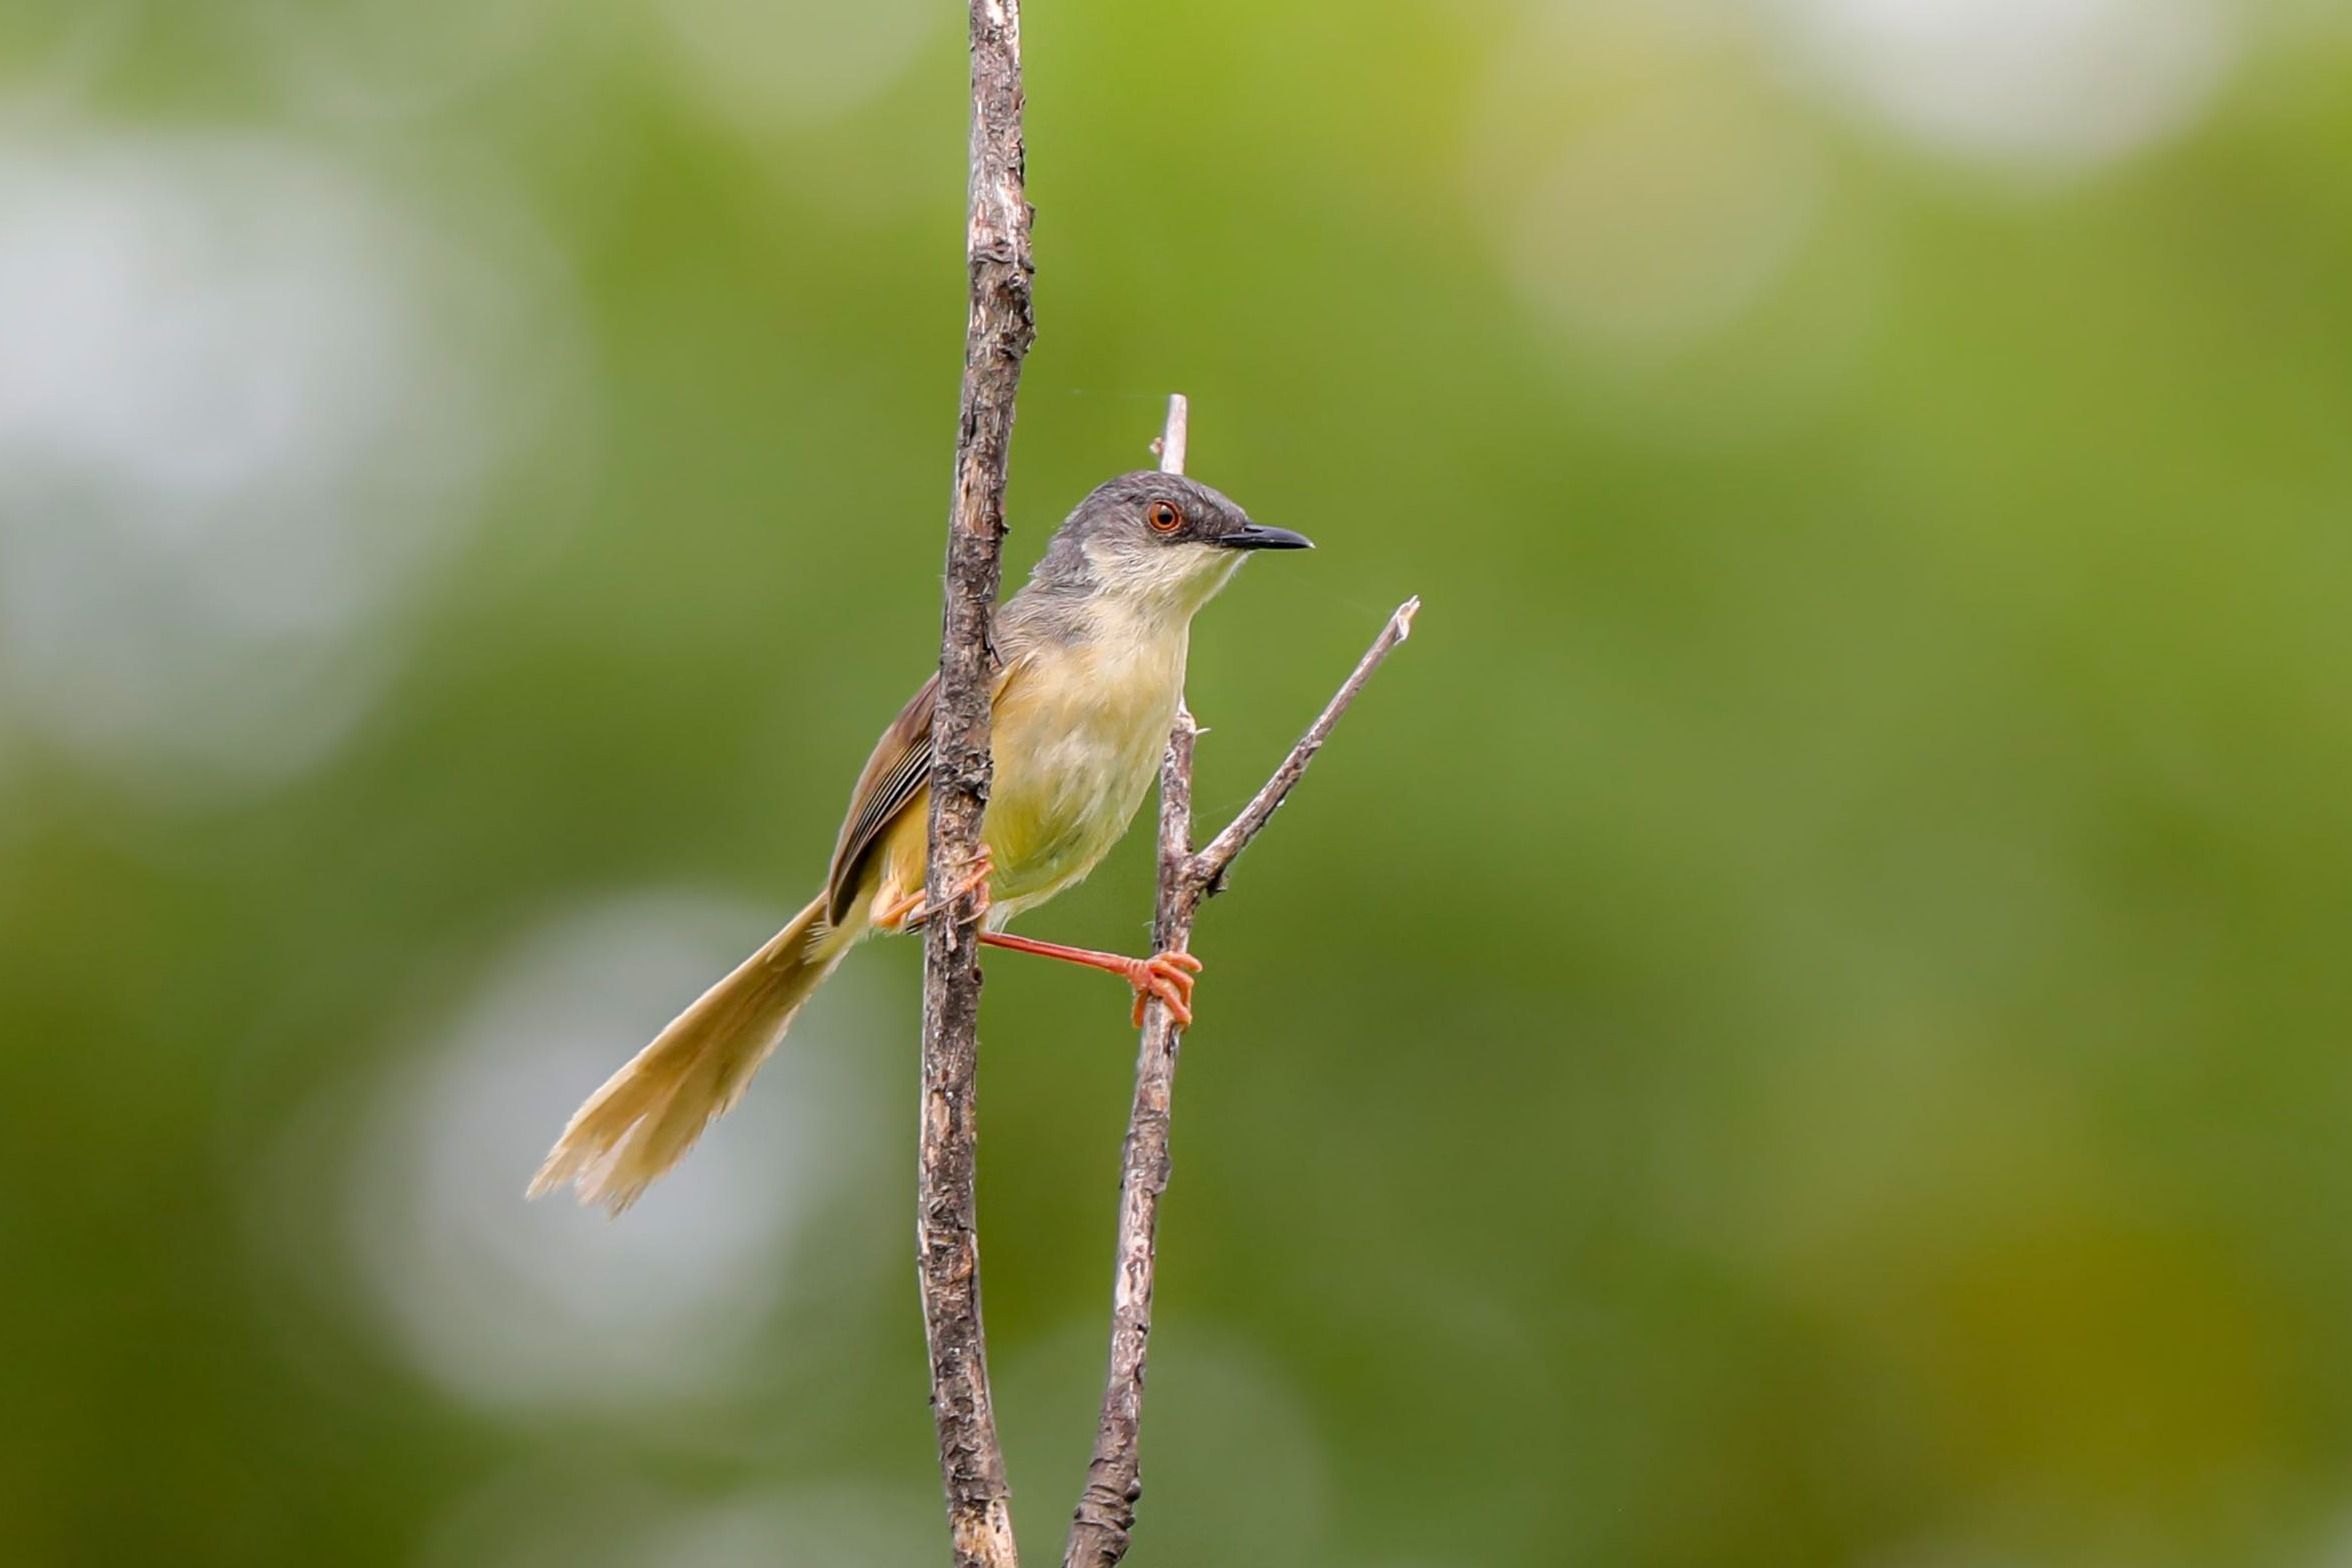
(1105, 1517)
(971, 1462)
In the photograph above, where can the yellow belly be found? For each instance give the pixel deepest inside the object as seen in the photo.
(1076, 742)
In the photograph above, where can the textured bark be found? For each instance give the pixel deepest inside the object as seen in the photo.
(971, 1463)
(1101, 1525)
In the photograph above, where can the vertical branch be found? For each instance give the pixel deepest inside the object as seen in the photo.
(1001, 327)
(1104, 1520)
(1101, 1525)
(1105, 1515)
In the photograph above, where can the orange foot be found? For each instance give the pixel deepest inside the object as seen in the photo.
(909, 913)
(1167, 976)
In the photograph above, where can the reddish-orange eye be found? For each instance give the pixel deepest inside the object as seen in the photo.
(1163, 516)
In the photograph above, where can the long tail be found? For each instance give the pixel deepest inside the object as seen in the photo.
(649, 1113)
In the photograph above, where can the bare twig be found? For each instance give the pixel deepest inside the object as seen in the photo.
(1106, 1508)
(1208, 868)
(1168, 446)
(971, 1463)
(1105, 1516)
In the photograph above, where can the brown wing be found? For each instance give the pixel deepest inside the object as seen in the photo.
(895, 775)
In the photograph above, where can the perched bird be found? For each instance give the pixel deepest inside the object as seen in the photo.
(1092, 656)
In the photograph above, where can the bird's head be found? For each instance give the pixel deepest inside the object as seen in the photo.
(1159, 541)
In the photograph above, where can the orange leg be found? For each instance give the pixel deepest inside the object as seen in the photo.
(909, 913)
(1167, 976)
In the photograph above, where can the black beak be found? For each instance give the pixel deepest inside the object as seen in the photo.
(1249, 536)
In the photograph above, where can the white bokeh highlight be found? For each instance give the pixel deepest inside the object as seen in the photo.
(517, 1305)
(248, 398)
(1657, 228)
(770, 66)
(382, 60)
(2053, 85)
(1639, 195)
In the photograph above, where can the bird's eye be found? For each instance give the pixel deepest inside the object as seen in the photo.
(1164, 517)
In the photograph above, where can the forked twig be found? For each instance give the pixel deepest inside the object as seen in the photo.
(1105, 1516)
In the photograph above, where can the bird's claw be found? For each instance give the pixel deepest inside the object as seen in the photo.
(1168, 976)
(912, 912)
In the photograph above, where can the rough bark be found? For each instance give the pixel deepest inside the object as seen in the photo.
(1101, 1525)
(1001, 327)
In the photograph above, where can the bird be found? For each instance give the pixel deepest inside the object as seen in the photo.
(1091, 656)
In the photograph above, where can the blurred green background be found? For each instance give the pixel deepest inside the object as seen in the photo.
(1803, 1020)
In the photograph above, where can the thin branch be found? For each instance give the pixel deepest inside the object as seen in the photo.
(1168, 445)
(1100, 1526)
(1103, 1522)
(1210, 865)
(971, 1462)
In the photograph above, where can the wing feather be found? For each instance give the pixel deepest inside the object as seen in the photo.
(896, 774)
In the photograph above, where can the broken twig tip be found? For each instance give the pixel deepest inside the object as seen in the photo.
(1169, 447)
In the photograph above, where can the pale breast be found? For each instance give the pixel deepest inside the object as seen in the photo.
(1078, 742)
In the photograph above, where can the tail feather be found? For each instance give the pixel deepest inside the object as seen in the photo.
(649, 1113)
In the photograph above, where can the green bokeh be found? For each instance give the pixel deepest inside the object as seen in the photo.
(1802, 1020)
